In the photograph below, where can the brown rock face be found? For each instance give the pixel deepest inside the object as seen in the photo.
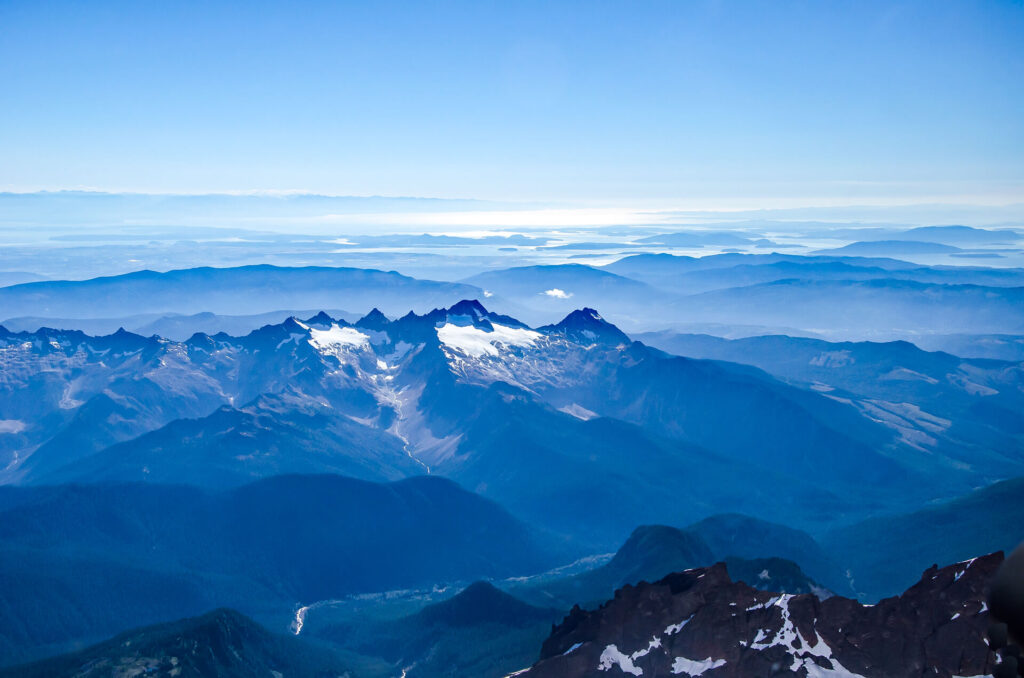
(700, 623)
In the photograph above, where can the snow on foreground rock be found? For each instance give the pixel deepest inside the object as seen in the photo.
(700, 623)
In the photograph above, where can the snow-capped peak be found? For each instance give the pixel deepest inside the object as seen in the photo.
(586, 326)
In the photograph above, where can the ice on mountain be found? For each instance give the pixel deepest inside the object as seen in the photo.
(331, 340)
(477, 343)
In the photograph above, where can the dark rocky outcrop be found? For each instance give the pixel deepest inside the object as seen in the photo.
(700, 622)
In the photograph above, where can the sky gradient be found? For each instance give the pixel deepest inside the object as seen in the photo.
(591, 103)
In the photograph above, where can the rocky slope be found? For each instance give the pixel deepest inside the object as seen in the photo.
(701, 623)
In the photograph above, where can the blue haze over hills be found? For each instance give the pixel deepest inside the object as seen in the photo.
(730, 397)
(421, 340)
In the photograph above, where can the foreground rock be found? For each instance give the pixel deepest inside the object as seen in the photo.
(701, 623)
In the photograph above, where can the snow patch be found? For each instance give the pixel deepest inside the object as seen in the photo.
(332, 341)
(478, 343)
(816, 671)
(612, 656)
(695, 668)
(294, 337)
(792, 641)
(673, 629)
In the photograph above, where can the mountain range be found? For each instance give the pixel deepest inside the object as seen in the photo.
(880, 297)
(938, 402)
(324, 463)
(232, 291)
(458, 392)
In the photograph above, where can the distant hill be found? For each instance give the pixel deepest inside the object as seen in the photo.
(541, 293)
(747, 537)
(642, 266)
(650, 552)
(86, 561)
(175, 327)
(218, 644)
(886, 554)
(481, 603)
(991, 346)
(891, 248)
(682, 275)
(697, 239)
(233, 291)
(481, 632)
(18, 277)
(752, 549)
(271, 436)
(881, 307)
(969, 409)
(965, 236)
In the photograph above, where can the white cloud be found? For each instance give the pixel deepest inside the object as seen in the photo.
(557, 293)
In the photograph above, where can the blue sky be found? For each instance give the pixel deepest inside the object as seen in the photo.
(583, 103)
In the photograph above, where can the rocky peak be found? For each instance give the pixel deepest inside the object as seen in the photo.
(586, 326)
(469, 307)
(320, 321)
(374, 320)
